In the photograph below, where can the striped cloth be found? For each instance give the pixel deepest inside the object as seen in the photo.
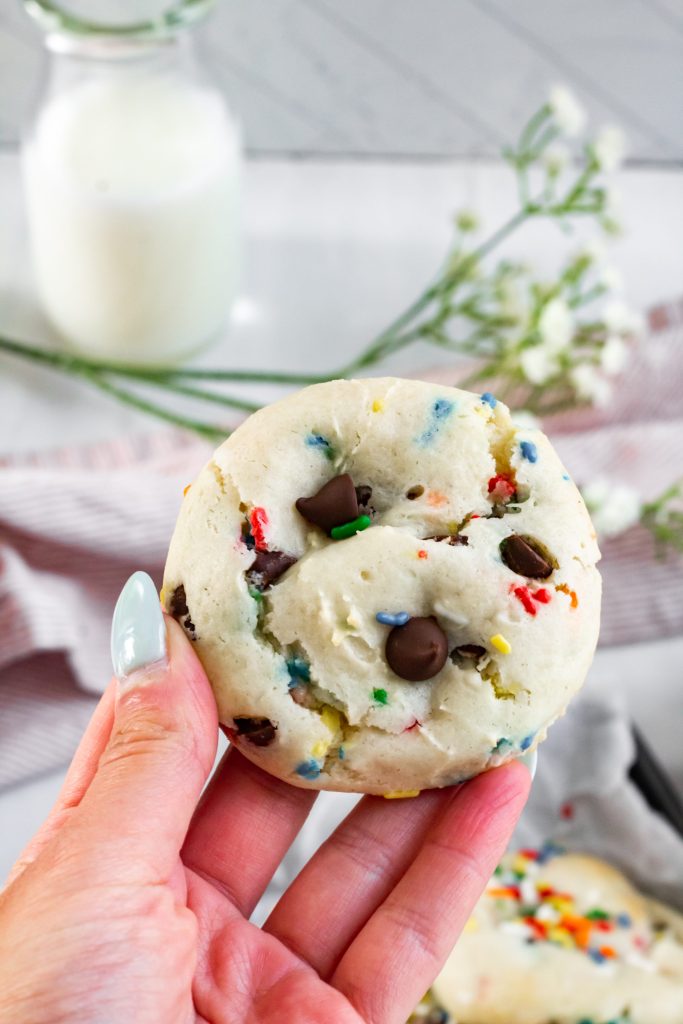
(75, 523)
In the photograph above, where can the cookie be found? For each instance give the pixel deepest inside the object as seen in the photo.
(564, 938)
(391, 586)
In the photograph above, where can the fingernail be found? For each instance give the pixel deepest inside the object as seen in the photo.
(530, 760)
(138, 631)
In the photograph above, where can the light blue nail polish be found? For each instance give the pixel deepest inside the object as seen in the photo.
(138, 631)
(529, 759)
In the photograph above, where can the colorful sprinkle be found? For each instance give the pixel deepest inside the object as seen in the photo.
(310, 769)
(392, 618)
(422, 553)
(502, 743)
(401, 794)
(542, 595)
(331, 718)
(380, 696)
(299, 670)
(318, 441)
(471, 925)
(378, 405)
(489, 399)
(562, 588)
(320, 748)
(624, 920)
(256, 595)
(186, 489)
(567, 811)
(501, 487)
(349, 529)
(566, 476)
(341, 754)
(500, 643)
(529, 451)
(436, 499)
(258, 520)
(597, 915)
(527, 741)
(440, 411)
(596, 955)
(523, 595)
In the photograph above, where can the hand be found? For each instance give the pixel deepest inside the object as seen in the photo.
(132, 903)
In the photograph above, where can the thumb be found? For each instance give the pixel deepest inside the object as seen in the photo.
(162, 745)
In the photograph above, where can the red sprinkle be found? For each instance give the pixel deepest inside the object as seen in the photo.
(258, 520)
(416, 725)
(607, 951)
(522, 594)
(603, 926)
(538, 927)
(422, 553)
(567, 811)
(542, 595)
(529, 854)
(501, 486)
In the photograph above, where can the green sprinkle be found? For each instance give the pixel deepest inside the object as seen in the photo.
(256, 594)
(597, 915)
(348, 529)
(380, 696)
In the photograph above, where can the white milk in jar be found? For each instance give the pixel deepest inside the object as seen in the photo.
(132, 188)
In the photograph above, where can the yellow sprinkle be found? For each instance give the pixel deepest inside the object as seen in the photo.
(378, 405)
(331, 718)
(519, 864)
(162, 597)
(320, 748)
(186, 489)
(401, 794)
(472, 925)
(560, 936)
(501, 644)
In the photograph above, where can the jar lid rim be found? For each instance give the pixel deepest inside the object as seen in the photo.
(52, 17)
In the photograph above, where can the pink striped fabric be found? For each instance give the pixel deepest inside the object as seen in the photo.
(75, 523)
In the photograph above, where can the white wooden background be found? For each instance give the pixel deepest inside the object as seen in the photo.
(415, 77)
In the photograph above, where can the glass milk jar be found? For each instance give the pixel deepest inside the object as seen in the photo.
(131, 168)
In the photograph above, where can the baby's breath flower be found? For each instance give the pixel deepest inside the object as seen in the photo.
(556, 325)
(614, 508)
(621, 319)
(538, 364)
(594, 251)
(568, 114)
(589, 384)
(613, 355)
(610, 278)
(612, 210)
(609, 148)
(467, 220)
(555, 158)
(525, 420)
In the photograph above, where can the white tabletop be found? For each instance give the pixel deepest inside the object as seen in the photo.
(333, 251)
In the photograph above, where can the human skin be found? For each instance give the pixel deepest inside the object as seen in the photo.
(132, 903)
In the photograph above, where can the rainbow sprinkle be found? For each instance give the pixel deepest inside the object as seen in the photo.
(310, 769)
(380, 696)
(529, 451)
(393, 618)
(500, 643)
(489, 399)
(349, 529)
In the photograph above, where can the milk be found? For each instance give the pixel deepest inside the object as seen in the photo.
(132, 189)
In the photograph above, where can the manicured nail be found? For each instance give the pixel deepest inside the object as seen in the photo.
(530, 760)
(138, 631)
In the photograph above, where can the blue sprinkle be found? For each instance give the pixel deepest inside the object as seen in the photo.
(529, 451)
(489, 399)
(392, 618)
(624, 920)
(299, 671)
(441, 409)
(527, 741)
(318, 441)
(341, 754)
(309, 769)
(548, 851)
(596, 955)
(566, 476)
(502, 743)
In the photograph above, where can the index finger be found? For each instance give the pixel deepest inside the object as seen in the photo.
(401, 949)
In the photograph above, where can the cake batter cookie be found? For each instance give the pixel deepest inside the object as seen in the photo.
(562, 938)
(391, 587)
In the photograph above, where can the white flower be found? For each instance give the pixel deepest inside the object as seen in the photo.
(512, 300)
(569, 115)
(538, 364)
(621, 319)
(589, 384)
(609, 148)
(611, 279)
(524, 419)
(613, 507)
(555, 158)
(613, 355)
(612, 211)
(556, 325)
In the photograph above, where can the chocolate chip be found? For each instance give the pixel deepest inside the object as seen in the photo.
(178, 604)
(259, 731)
(470, 651)
(333, 505)
(451, 538)
(415, 492)
(268, 566)
(527, 557)
(417, 650)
